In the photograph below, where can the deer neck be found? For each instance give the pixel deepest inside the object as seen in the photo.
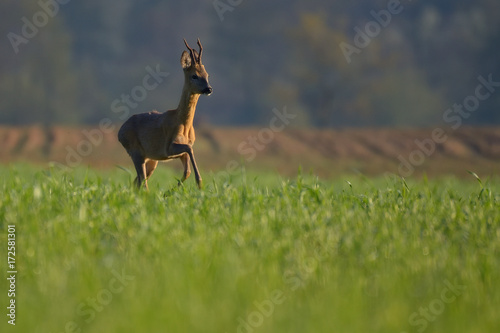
(187, 107)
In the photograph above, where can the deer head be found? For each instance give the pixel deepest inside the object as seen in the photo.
(196, 77)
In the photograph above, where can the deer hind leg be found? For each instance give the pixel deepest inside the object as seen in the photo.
(140, 168)
(150, 168)
(187, 170)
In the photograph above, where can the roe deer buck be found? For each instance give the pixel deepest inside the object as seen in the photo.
(154, 136)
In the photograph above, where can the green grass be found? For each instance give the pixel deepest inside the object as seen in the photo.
(258, 254)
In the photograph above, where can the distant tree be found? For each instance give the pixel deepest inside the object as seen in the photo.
(261, 55)
(378, 87)
(38, 83)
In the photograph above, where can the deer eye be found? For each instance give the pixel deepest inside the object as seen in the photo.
(195, 77)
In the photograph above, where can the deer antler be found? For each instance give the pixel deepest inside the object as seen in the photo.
(191, 52)
(201, 50)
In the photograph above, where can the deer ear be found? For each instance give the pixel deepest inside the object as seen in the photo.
(185, 60)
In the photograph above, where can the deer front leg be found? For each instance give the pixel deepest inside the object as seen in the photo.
(187, 170)
(179, 148)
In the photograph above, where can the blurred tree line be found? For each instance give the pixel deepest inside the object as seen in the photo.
(260, 55)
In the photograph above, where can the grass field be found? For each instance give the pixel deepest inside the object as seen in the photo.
(259, 253)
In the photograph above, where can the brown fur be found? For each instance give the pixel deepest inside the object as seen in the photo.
(154, 136)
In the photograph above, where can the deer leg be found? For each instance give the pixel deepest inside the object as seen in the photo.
(179, 148)
(187, 170)
(150, 168)
(195, 168)
(140, 168)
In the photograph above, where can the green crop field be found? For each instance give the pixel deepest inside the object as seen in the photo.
(253, 253)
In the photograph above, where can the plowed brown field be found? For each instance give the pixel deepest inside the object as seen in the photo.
(325, 152)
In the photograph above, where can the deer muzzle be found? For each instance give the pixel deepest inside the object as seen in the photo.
(208, 91)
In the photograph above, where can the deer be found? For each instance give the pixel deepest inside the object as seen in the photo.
(154, 136)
